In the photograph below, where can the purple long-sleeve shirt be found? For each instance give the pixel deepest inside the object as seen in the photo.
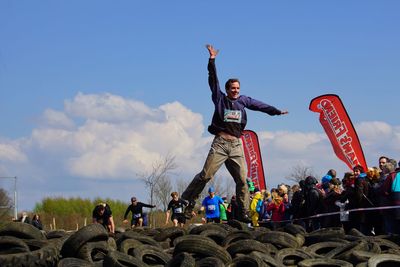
(230, 115)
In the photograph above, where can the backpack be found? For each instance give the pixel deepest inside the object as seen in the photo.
(396, 183)
(260, 206)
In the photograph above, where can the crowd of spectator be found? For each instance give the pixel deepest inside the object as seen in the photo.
(367, 200)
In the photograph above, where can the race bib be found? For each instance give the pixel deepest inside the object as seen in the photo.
(211, 207)
(232, 116)
(137, 215)
(178, 210)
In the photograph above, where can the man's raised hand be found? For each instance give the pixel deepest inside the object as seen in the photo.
(213, 52)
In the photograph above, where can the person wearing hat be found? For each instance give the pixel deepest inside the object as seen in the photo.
(211, 206)
(102, 214)
(228, 123)
(137, 212)
(312, 203)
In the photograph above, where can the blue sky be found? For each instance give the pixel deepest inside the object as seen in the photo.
(93, 91)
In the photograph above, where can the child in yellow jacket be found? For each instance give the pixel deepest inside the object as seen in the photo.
(253, 206)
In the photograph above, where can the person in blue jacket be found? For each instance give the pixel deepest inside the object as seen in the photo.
(211, 206)
(228, 122)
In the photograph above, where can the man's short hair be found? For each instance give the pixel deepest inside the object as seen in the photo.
(230, 81)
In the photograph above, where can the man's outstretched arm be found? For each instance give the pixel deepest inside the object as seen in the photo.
(212, 74)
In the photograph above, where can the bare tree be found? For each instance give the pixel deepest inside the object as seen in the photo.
(300, 172)
(181, 185)
(5, 207)
(160, 170)
(163, 191)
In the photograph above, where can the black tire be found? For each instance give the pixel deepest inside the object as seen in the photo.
(129, 245)
(322, 248)
(210, 262)
(74, 262)
(279, 239)
(358, 256)
(45, 256)
(56, 234)
(217, 235)
(152, 255)
(246, 261)
(324, 234)
(202, 247)
(345, 252)
(182, 260)
(138, 236)
(355, 232)
(112, 245)
(291, 256)
(90, 233)
(93, 251)
(259, 231)
(238, 225)
(246, 246)
(300, 239)
(39, 244)
(266, 258)
(22, 230)
(385, 244)
(119, 259)
(191, 237)
(324, 262)
(227, 227)
(391, 251)
(294, 229)
(362, 264)
(209, 226)
(384, 260)
(146, 230)
(170, 232)
(235, 236)
(11, 245)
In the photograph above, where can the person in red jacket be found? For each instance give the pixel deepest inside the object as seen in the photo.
(277, 208)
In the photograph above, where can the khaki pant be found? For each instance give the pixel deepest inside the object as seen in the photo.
(231, 153)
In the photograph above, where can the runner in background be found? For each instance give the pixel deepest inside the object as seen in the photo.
(137, 212)
(211, 205)
(102, 214)
(177, 206)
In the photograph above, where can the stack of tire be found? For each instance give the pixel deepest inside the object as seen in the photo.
(22, 244)
(216, 245)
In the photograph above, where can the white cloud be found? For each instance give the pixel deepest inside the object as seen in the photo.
(11, 151)
(120, 138)
(55, 118)
(108, 107)
(291, 142)
(108, 138)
